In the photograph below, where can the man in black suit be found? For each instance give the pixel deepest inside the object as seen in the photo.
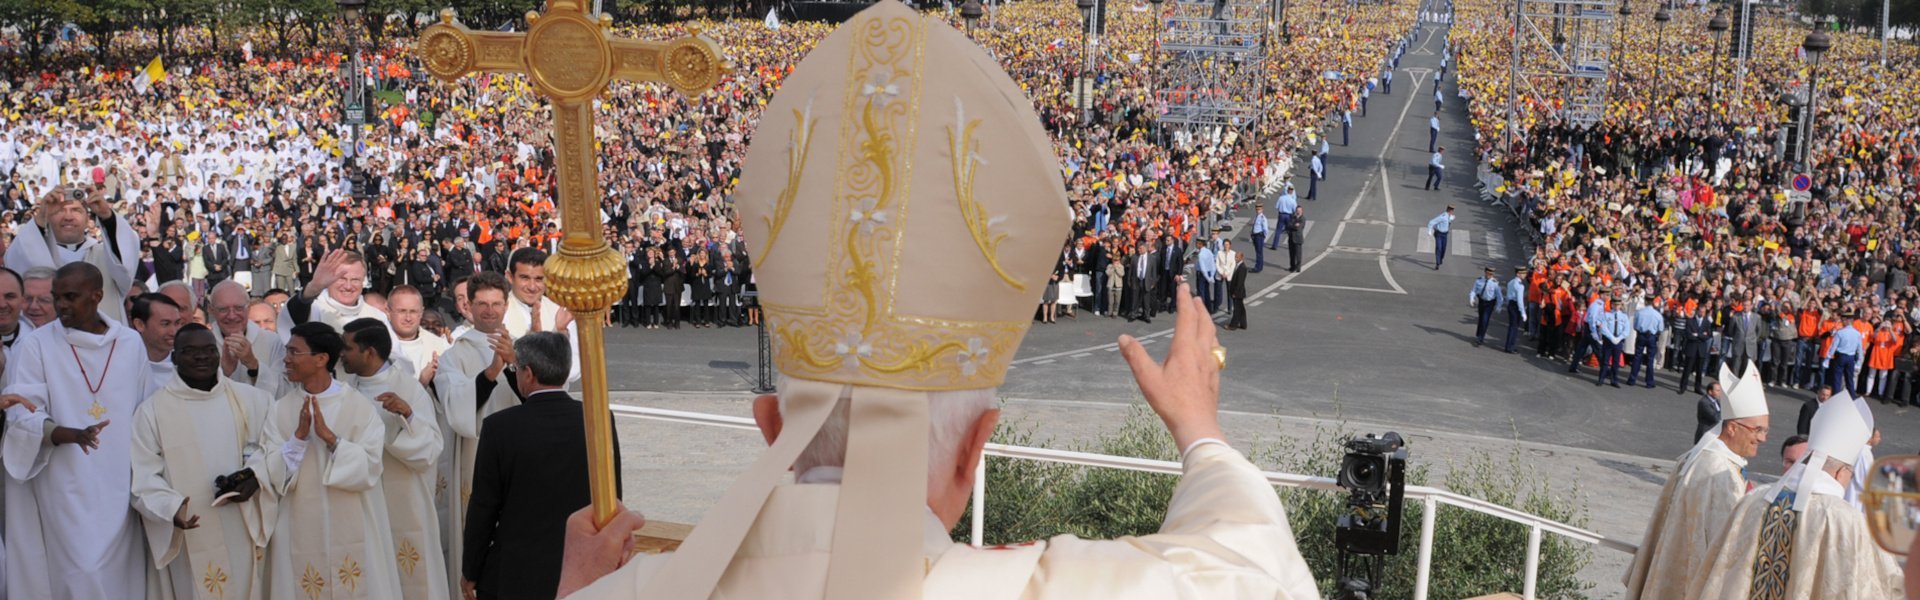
(218, 259)
(529, 474)
(1145, 273)
(1708, 414)
(1693, 332)
(1812, 405)
(1237, 294)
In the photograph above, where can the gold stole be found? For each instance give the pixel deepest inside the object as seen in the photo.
(207, 544)
(328, 553)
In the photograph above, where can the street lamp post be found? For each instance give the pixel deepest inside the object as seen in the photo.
(1626, 11)
(1085, 84)
(1661, 16)
(970, 12)
(353, 96)
(1716, 25)
(1153, 62)
(1816, 46)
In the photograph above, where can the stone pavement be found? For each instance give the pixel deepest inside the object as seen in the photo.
(673, 472)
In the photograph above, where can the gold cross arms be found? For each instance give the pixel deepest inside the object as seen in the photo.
(569, 54)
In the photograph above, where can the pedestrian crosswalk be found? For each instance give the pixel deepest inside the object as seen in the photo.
(1464, 243)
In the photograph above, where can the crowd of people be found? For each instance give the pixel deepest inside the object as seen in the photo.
(1678, 199)
(1145, 193)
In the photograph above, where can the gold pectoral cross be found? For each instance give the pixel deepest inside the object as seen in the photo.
(570, 58)
(97, 410)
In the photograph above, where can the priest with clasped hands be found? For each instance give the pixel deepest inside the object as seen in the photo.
(324, 446)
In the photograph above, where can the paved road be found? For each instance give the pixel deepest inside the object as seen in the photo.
(1368, 330)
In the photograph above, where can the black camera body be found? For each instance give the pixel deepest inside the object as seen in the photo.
(1374, 473)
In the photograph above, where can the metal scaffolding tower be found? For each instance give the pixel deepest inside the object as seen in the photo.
(1562, 57)
(1212, 62)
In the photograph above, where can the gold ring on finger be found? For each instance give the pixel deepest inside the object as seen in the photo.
(1220, 356)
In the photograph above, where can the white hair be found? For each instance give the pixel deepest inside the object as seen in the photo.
(950, 416)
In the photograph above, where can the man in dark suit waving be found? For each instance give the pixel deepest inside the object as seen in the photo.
(529, 474)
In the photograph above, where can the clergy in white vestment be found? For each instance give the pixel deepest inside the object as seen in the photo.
(37, 311)
(12, 299)
(1699, 496)
(157, 319)
(57, 236)
(1799, 538)
(325, 447)
(413, 445)
(470, 387)
(418, 347)
(334, 296)
(196, 430)
(1865, 461)
(530, 310)
(249, 353)
(893, 331)
(422, 349)
(72, 532)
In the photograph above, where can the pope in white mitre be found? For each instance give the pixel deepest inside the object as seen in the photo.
(899, 272)
(1799, 538)
(1700, 495)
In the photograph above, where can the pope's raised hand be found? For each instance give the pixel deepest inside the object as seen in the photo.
(1184, 389)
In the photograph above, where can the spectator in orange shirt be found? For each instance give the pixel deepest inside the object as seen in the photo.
(1886, 342)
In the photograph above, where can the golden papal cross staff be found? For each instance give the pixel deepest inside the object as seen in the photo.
(570, 58)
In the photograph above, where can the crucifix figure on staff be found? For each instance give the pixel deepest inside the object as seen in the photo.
(570, 59)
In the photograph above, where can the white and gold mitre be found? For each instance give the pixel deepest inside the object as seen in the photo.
(904, 207)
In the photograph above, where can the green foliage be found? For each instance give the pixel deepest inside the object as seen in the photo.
(1473, 553)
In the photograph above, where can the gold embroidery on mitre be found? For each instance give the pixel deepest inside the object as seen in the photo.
(857, 331)
(313, 582)
(966, 163)
(799, 143)
(215, 581)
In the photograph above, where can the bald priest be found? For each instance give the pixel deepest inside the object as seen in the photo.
(887, 398)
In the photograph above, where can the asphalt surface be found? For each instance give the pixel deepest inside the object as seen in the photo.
(1369, 330)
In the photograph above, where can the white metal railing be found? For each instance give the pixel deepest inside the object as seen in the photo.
(1430, 498)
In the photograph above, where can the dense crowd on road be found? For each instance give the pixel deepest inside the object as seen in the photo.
(1678, 200)
(230, 166)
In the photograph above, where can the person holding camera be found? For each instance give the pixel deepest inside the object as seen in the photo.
(57, 235)
(194, 434)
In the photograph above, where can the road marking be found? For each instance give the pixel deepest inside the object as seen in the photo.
(1496, 245)
(1346, 288)
(1307, 228)
(1257, 303)
(1082, 355)
(1358, 250)
(1425, 245)
(1387, 273)
(1044, 362)
(1460, 243)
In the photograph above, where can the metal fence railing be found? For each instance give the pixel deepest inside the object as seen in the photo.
(1431, 498)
